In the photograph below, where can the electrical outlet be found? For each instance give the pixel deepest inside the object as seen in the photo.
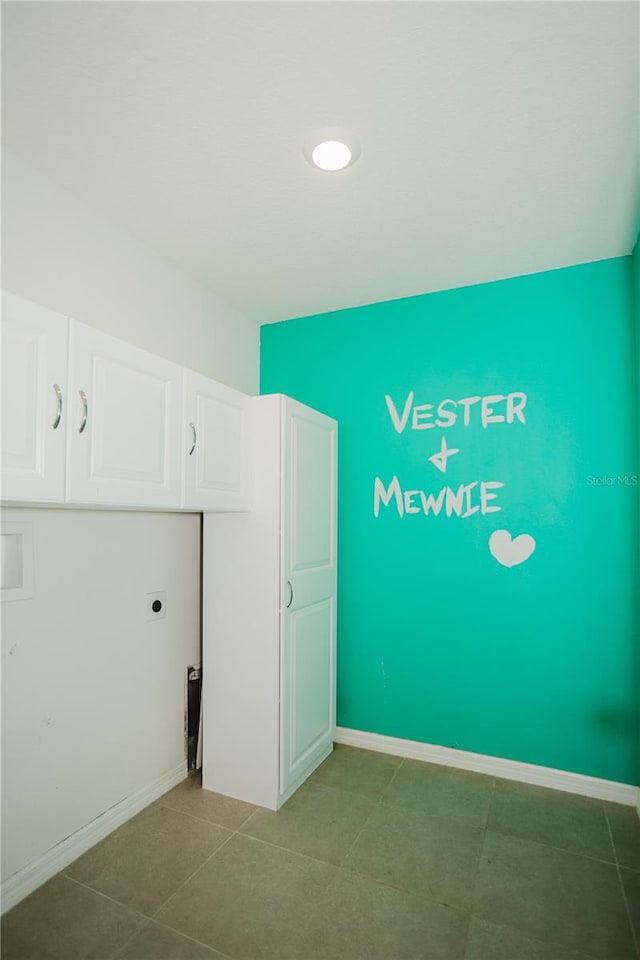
(157, 605)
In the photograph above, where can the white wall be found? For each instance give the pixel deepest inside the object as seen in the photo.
(93, 695)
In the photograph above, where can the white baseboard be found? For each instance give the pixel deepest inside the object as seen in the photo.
(493, 766)
(25, 881)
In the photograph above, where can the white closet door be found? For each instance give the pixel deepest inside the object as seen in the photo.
(34, 401)
(308, 628)
(216, 450)
(124, 423)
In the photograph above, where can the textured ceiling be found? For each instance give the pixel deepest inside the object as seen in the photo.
(496, 139)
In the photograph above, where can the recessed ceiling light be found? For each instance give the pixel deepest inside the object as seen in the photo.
(331, 148)
(331, 155)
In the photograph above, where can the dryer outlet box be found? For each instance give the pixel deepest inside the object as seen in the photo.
(157, 605)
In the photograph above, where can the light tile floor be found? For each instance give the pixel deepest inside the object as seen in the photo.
(374, 858)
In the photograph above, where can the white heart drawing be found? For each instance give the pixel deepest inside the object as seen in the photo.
(510, 552)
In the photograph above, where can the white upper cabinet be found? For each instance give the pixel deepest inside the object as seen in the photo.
(216, 448)
(34, 401)
(124, 424)
(88, 419)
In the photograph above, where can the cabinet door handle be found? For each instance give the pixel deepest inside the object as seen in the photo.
(195, 437)
(83, 425)
(56, 422)
(290, 593)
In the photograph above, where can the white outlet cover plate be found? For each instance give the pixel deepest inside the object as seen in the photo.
(16, 577)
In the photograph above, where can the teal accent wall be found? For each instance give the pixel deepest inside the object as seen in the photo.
(525, 655)
(635, 266)
(635, 262)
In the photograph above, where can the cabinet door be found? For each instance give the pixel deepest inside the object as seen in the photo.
(34, 401)
(124, 427)
(215, 446)
(308, 624)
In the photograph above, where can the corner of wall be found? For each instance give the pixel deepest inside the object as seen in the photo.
(59, 252)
